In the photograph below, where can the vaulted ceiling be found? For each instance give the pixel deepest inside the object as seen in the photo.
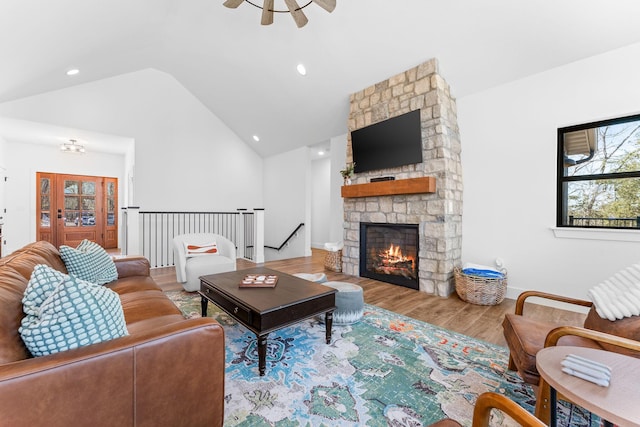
(246, 75)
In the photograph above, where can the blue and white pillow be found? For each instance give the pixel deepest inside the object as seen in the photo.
(90, 262)
(64, 312)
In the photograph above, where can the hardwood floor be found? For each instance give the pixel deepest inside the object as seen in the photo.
(482, 322)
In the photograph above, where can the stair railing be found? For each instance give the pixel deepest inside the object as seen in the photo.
(151, 233)
(286, 242)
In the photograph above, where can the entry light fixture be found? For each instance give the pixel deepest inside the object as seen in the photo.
(72, 147)
(293, 8)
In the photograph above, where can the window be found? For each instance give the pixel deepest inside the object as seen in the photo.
(599, 174)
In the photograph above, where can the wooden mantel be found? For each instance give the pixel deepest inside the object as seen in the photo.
(426, 184)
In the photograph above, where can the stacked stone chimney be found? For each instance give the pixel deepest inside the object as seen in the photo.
(438, 214)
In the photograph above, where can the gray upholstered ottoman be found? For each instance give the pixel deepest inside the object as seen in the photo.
(312, 277)
(349, 303)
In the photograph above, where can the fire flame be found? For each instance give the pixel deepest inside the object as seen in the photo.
(394, 252)
(394, 255)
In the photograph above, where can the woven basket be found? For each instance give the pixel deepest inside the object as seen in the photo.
(333, 261)
(479, 290)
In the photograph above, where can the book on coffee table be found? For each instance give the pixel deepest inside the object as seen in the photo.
(259, 281)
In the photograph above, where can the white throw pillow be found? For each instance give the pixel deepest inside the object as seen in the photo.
(618, 296)
(196, 250)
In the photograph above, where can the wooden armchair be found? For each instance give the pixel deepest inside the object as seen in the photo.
(482, 412)
(526, 336)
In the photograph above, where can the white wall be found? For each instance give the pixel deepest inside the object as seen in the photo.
(338, 162)
(185, 157)
(320, 201)
(27, 159)
(3, 173)
(287, 203)
(509, 146)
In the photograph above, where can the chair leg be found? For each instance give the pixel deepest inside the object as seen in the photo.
(543, 408)
(512, 365)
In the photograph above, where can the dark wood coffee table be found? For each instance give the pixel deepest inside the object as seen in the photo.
(264, 310)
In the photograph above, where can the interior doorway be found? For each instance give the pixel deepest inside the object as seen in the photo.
(71, 208)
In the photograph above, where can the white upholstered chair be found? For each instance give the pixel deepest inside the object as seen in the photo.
(190, 268)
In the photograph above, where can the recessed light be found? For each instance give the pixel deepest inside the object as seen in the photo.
(302, 69)
(256, 138)
(321, 153)
(72, 72)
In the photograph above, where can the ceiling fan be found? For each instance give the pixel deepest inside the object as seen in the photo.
(292, 5)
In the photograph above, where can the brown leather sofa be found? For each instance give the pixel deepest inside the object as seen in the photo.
(169, 371)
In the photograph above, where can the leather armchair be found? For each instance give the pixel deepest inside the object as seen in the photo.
(189, 269)
(526, 336)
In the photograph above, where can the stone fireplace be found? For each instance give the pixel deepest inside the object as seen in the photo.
(435, 211)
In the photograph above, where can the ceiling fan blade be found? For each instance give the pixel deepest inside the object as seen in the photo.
(267, 12)
(296, 13)
(232, 3)
(327, 5)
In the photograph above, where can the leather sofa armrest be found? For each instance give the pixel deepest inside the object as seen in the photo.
(160, 377)
(132, 266)
(528, 294)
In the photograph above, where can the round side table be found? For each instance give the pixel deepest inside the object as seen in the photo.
(617, 404)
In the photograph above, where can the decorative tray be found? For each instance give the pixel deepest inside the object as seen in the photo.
(259, 281)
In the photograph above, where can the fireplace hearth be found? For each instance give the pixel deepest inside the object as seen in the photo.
(389, 253)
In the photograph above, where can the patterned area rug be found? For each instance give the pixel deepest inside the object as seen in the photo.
(386, 370)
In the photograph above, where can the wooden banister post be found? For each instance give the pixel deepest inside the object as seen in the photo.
(132, 231)
(258, 244)
(241, 243)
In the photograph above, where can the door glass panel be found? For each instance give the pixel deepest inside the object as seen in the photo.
(111, 208)
(45, 202)
(71, 219)
(71, 187)
(71, 203)
(111, 203)
(89, 188)
(89, 203)
(88, 218)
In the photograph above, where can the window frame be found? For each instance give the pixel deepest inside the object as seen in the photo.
(562, 181)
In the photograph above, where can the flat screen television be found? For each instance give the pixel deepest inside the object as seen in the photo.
(391, 143)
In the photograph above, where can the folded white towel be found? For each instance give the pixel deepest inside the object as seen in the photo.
(599, 381)
(333, 247)
(587, 370)
(588, 362)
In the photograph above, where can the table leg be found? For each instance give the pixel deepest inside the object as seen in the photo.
(203, 304)
(553, 409)
(262, 354)
(542, 411)
(328, 323)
